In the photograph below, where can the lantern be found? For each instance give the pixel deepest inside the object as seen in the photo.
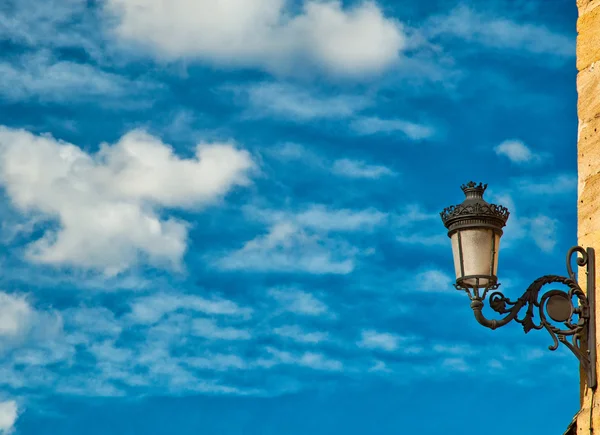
(475, 228)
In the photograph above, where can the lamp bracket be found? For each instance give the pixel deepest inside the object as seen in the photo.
(558, 305)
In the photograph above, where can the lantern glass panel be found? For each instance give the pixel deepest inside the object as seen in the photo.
(479, 248)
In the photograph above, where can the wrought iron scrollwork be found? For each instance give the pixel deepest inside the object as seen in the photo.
(577, 319)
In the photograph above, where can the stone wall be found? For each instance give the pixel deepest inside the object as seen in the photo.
(588, 163)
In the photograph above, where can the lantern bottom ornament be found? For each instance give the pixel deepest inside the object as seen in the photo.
(475, 229)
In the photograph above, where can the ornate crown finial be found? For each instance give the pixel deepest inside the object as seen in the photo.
(474, 207)
(471, 186)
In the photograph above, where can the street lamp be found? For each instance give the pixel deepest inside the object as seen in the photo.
(475, 229)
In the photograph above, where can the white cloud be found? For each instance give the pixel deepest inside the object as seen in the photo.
(456, 365)
(106, 203)
(16, 315)
(542, 229)
(312, 360)
(299, 302)
(433, 281)
(372, 125)
(380, 367)
(150, 309)
(296, 333)
(97, 321)
(455, 349)
(500, 32)
(284, 101)
(412, 214)
(418, 239)
(208, 328)
(216, 362)
(347, 42)
(323, 218)
(42, 77)
(36, 25)
(298, 242)
(551, 185)
(293, 152)
(359, 169)
(9, 412)
(516, 151)
(371, 339)
(288, 248)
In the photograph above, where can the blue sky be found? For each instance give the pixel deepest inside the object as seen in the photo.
(223, 217)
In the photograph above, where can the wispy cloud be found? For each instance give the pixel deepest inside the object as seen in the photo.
(548, 185)
(433, 280)
(38, 25)
(456, 365)
(517, 152)
(297, 104)
(208, 328)
(412, 214)
(289, 248)
(539, 228)
(323, 218)
(359, 169)
(372, 339)
(295, 333)
(217, 362)
(299, 302)
(320, 217)
(374, 125)
(345, 167)
(150, 309)
(500, 32)
(41, 77)
(301, 241)
(312, 360)
(417, 239)
(543, 231)
(15, 315)
(407, 222)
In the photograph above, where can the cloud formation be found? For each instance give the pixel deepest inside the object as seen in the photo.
(359, 169)
(372, 339)
(267, 34)
(541, 229)
(299, 302)
(344, 167)
(297, 104)
(8, 416)
(500, 32)
(517, 152)
(373, 125)
(301, 242)
(106, 204)
(40, 76)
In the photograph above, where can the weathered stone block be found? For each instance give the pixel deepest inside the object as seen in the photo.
(584, 6)
(588, 148)
(588, 88)
(588, 208)
(588, 38)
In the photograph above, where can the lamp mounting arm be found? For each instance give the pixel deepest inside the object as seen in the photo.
(558, 305)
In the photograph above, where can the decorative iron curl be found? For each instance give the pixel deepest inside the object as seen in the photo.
(534, 302)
